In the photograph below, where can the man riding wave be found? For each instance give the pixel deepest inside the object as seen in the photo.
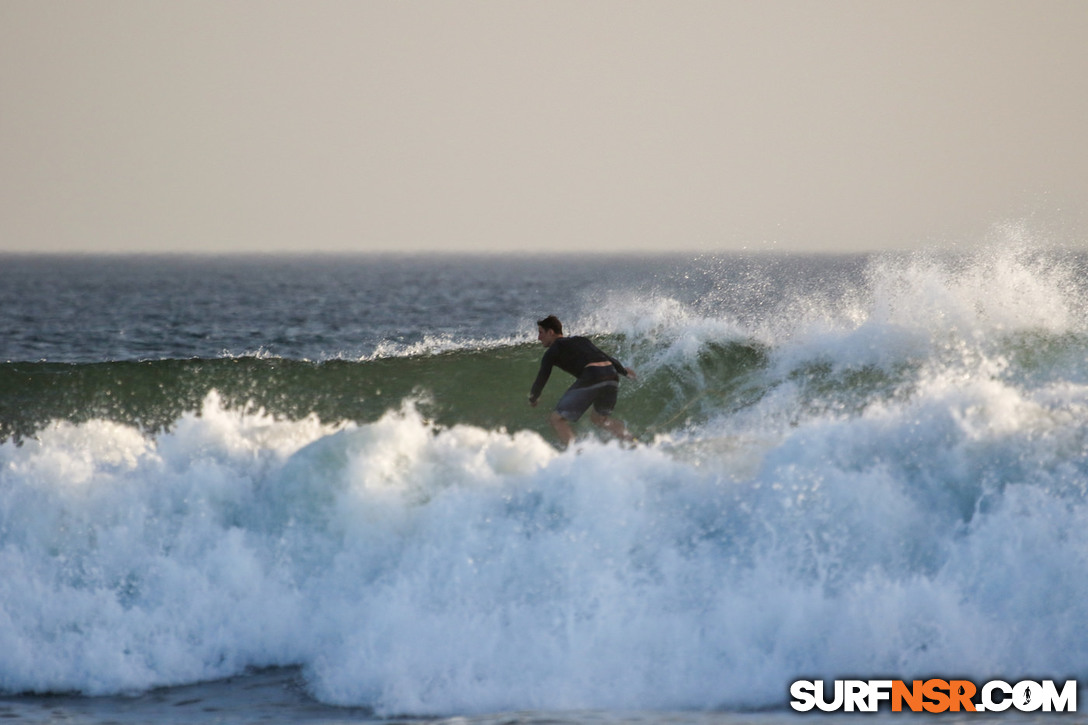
(597, 381)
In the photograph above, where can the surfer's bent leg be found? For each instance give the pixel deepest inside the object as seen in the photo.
(616, 427)
(562, 427)
(597, 387)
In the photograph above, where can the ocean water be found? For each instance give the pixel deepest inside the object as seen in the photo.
(312, 489)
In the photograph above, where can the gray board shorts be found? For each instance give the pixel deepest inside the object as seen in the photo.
(596, 386)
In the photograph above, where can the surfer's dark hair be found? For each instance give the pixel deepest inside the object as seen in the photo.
(551, 322)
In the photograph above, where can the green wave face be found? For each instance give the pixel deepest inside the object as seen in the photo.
(485, 388)
(488, 388)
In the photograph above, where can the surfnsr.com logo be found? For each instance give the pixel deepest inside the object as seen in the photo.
(934, 696)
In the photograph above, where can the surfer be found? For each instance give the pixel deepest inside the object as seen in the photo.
(597, 381)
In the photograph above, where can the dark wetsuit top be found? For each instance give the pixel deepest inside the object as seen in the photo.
(572, 355)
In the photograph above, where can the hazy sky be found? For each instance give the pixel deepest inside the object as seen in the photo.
(189, 125)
